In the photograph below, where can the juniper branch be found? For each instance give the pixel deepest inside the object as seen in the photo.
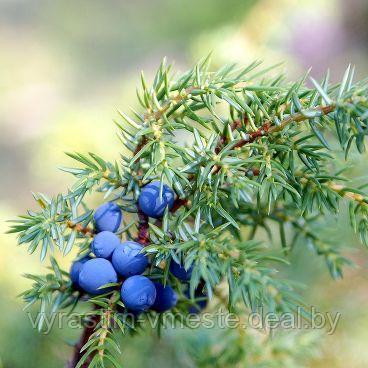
(249, 161)
(85, 337)
(269, 128)
(85, 230)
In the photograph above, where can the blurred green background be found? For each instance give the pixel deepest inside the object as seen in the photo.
(66, 66)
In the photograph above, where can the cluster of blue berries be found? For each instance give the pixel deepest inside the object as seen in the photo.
(125, 261)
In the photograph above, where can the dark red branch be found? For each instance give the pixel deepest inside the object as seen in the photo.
(260, 132)
(77, 355)
(83, 230)
(178, 203)
(254, 172)
(237, 124)
(267, 128)
(140, 145)
(143, 229)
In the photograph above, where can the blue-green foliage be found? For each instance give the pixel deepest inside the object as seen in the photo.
(244, 150)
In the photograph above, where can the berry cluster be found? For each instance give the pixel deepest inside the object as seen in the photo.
(114, 261)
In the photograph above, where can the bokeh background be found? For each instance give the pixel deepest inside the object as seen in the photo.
(66, 66)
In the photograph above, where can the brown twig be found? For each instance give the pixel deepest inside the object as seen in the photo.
(253, 171)
(143, 229)
(77, 355)
(267, 128)
(178, 203)
(140, 145)
(177, 99)
(106, 322)
(237, 124)
(340, 189)
(84, 230)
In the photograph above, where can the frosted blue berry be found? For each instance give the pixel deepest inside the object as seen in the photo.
(96, 273)
(166, 298)
(180, 272)
(150, 202)
(76, 268)
(138, 293)
(104, 244)
(128, 260)
(108, 217)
